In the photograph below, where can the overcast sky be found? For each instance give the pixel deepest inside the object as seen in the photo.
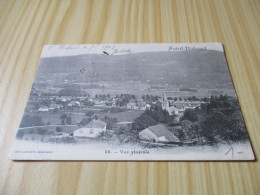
(121, 49)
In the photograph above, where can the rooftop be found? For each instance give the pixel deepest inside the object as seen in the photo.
(160, 130)
(96, 124)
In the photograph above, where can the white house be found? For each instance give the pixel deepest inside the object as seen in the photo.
(131, 105)
(74, 103)
(63, 99)
(92, 129)
(158, 133)
(55, 106)
(148, 107)
(43, 109)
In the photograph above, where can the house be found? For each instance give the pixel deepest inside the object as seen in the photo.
(74, 103)
(113, 103)
(60, 135)
(63, 99)
(131, 105)
(43, 109)
(158, 133)
(55, 106)
(92, 129)
(99, 103)
(148, 107)
(141, 103)
(145, 106)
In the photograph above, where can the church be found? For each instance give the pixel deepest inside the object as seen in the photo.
(166, 106)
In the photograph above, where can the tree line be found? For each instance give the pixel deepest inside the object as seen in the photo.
(220, 120)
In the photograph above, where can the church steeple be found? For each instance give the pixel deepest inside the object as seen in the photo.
(164, 97)
(165, 103)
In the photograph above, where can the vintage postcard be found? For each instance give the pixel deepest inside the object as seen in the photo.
(133, 102)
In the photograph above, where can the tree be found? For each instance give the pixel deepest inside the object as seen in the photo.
(152, 117)
(45, 103)
(237, 130)
(68, 140)
(54, 111)
(95, 117)
(85, 121)
(142, 122)
(187, 128)
(90, 113)
(190, 115)
(204, 99)
(63, 116)
(126, 134)
(42, 131)
(58, 129)
(214, 126)
(88, 103)
(110, 122)
(217, 120)
(69, 120)
(124, 101)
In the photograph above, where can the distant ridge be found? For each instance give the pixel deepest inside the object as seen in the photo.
(196, 67)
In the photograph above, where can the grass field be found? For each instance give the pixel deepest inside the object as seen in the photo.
(54, 119)
(52, 128)
(126, 116)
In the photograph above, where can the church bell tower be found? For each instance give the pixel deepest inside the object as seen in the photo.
(165, 102)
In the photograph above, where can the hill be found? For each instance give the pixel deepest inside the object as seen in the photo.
(173, 68)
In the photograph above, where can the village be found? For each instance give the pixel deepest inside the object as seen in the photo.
(83, 117)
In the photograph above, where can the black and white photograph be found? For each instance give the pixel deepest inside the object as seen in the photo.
(133, 102)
